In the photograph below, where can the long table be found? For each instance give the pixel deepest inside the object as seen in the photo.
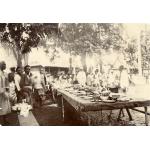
(85, 108)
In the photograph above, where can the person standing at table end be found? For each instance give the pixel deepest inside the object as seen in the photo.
(4, 93)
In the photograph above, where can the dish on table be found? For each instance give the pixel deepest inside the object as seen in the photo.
(86, 97)
(109, 101)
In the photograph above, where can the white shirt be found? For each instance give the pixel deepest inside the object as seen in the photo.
(37, 82)
(124, 79)
(17, 79)
(81, 77)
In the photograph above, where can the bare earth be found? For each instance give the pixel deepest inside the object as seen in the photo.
(51, 116)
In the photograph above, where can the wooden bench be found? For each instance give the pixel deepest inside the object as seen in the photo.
(28, 121)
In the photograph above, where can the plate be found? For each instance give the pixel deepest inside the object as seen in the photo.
(109, 101)
(86, 97)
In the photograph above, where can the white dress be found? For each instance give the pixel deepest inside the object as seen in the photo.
(81, 78)
(4, 96)
(124, 79)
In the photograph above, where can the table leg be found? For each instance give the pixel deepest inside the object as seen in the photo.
(53, 96)
(123, 113)
(146, 117)
(89, 121)
(109, 117)
(129, 114)
(62, 107)
(119, 114)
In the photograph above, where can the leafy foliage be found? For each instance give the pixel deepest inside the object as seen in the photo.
(131, 53)
(27, 35)
(145, 50)
(80, 38)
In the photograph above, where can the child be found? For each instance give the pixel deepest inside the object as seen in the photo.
(23, 107)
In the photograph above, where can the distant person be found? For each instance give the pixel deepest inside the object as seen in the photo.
(70, 79)
(124, 79)
(96, 78)
(4, 93)
(81, 77)
(90, 79)
(113, 82)
(111, 79)
(43, 79)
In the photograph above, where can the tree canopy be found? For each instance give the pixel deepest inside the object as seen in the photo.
(26, 35)
(21, 37)
(90, 37)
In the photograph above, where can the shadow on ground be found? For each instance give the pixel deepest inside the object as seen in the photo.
(49, 115)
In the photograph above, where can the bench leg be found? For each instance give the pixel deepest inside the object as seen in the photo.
(129, 114)
(146, 116)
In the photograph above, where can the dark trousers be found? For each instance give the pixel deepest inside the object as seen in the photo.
(19, 96)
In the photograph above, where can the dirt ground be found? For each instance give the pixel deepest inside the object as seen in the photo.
(50, 115)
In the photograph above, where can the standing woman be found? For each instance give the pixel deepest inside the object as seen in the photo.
(4, 93)
(124, 79)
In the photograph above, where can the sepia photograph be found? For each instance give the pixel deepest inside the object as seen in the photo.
(74, 74)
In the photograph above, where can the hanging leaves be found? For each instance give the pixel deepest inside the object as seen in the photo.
(91, 37)
(26, 36)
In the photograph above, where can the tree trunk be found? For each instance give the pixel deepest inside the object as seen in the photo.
(19, 59)
(26, 59)
(139, 54)
(70, 62)
(70, 65)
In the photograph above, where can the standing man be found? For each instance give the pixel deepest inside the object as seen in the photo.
(26, 84)
(43, 78)
(4, 93)
(17, 79)
(81, 77)
(12, 73)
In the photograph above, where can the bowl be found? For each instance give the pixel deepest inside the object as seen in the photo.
(114, 95)
(103, 98)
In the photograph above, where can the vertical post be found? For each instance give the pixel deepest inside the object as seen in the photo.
(139, 53)
(100, 51)
(129, 114)
(70, 62)
(146, 116)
